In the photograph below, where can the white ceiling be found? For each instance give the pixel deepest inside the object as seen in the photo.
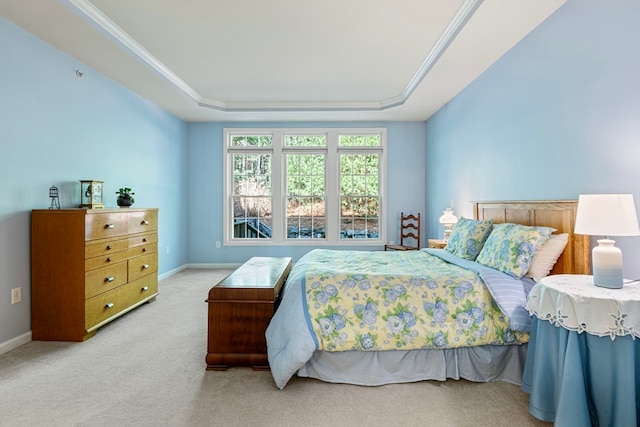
(286, 60)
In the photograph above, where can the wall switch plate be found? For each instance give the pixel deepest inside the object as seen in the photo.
(218, 244)
(16, 295)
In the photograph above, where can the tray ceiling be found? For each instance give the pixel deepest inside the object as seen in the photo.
(285, 60)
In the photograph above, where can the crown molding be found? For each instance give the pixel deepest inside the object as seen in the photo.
(102, 23)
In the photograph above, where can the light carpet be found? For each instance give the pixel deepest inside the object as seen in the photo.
(147, 369)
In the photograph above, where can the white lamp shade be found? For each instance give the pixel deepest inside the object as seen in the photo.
(607, 215)
(448, 217)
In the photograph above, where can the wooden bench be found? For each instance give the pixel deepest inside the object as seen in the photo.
(239, 310)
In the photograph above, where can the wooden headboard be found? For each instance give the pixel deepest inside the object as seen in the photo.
(559, 214)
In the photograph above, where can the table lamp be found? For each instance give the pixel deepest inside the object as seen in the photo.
(607, 215)
(448, 219)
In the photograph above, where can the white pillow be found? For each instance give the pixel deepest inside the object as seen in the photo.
(547, 256)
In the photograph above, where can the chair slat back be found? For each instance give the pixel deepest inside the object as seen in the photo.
(409, 229)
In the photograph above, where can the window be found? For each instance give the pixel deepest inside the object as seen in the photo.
(304, 186)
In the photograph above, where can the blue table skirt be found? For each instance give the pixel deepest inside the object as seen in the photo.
(582, 379)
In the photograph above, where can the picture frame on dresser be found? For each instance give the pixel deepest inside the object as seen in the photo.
(89, 267)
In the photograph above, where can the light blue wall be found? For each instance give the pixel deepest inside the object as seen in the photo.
(406, 173)
(56, 129)
(555, 117)
(542, 123)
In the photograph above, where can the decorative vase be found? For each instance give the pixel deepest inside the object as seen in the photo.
(124, 202)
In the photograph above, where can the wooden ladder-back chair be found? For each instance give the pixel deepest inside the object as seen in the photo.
(409, 232)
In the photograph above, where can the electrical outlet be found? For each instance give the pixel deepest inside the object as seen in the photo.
(392, 242)
(218, 244)
(16, 295)
(166, 250)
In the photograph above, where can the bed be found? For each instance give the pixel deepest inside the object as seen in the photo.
(374, 317)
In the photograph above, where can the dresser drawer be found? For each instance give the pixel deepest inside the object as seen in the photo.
(142, 221)
(142, 239)
(106, 305)
(105, 260)
(142, 250)
(143, 244)
(142, 266)
(142, 288)
(109, 304)
(105, 248)
(105, 225)
(105, 278)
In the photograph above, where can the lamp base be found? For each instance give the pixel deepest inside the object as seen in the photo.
(447, 232)
(607, 265)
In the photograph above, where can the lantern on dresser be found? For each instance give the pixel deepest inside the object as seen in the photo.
(91, 194)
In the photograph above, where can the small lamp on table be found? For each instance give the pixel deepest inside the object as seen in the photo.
(448, 219)
(607, 215)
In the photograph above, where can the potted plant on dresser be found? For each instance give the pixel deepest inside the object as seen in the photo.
(125, 197)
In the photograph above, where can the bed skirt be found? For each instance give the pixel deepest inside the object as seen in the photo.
(479, 364)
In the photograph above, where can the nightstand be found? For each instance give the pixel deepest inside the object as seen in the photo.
(583, 351)
(437, 244)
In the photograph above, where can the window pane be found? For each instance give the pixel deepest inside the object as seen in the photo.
(252, 196)
(372, 184)
(305, 218)
(372, 164)
(251, 141)
(359, 217)
(305, 141)
(293, 165)
(346, 185)
(252, 217)
(360, 141)
(359, 185)
(306, 196)
(359, 196)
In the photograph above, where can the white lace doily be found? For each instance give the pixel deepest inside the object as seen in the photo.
(575, 303)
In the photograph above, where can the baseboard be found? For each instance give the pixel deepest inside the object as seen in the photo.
(14, 343)
(215, 265)
(172, 272)
(209, 265)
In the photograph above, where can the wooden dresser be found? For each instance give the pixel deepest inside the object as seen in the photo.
(88, 267)
(240, 309)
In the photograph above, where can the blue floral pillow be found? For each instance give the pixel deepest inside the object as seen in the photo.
(467, 237)
(510, 247)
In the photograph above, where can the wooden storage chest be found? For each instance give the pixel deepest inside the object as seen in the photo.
(239, 310)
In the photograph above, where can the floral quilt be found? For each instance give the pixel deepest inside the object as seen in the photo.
(374, 300)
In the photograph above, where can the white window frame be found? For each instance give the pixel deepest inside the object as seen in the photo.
(279, 197)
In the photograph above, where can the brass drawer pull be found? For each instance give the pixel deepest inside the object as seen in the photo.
(109, 279)
(108, 247)
(145, 266)
(145, 222)
(108, 259)
(109, 306)
(144, 249)
(109, 226)
(144, 239)
(144, 289)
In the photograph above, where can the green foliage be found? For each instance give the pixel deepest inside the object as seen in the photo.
(126, 193)
(305, 185)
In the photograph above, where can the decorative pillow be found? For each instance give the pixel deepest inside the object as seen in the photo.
(547, 256)
(510, 247)
(467, 237)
